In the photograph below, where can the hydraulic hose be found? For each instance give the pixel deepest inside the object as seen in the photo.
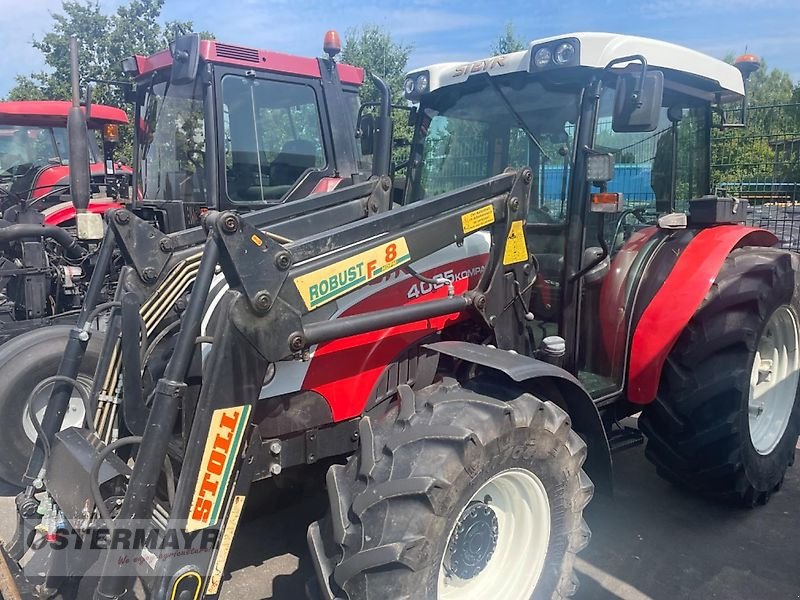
(12, 233)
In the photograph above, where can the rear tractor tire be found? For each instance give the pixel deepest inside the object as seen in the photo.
(726, 418)
(24, 362)
(464, 492)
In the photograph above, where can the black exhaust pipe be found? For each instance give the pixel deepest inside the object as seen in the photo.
(382, 154)
(78, 135)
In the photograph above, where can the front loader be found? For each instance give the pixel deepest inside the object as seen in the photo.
(456, 362)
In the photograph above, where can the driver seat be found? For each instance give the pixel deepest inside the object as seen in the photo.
(292, 161)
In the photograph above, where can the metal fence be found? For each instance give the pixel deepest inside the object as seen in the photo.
(761, 163)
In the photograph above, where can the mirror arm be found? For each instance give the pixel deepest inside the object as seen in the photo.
(637, 92)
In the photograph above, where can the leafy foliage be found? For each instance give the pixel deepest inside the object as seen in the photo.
(373, 48)
(104, 40)
(508, 42)
(768, 149)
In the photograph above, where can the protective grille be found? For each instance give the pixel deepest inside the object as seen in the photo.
(237, 53)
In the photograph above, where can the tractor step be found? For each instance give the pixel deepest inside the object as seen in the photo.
(625, 438)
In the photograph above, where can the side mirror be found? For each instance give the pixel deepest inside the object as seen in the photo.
(638, 103)
(366, 133)
(185, 58)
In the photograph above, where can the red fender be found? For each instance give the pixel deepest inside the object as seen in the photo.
(677, 300)
(65, 211)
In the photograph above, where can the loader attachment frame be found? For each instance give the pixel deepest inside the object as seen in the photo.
(268, 315)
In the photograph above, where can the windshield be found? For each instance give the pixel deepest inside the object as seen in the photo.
(23, 151)
(172, 142)
(472, 131)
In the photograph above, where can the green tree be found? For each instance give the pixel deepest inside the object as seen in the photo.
(104, 40)
(759, 153)
(373, 48)
(508, 42)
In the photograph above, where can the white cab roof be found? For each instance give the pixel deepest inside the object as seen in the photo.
(597, 50)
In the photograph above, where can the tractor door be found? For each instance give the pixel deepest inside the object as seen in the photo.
(270, 137)
(655, 179)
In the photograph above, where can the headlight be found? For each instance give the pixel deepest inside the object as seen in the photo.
(416, 84)
(564, 53)
(542, 57)
(556, 54)
(421, 84)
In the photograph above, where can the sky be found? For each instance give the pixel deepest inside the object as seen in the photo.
(445, 30)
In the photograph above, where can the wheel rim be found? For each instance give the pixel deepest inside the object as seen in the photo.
(74, 416)
(511, 566)
(773, 380)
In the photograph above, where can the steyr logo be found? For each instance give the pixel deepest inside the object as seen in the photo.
(480, 65)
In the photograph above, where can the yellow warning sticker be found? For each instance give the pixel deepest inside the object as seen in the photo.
(222, 447)
(328, 283)
(477, 219)
(516, 249)
(225, 545)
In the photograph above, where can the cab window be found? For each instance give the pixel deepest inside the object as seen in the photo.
(272, 135)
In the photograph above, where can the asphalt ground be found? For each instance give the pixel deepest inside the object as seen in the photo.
(650, 541)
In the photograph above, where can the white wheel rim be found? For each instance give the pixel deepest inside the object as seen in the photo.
(773, 380)
(74, 416)
(520, 504)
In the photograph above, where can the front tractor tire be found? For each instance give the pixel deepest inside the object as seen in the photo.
(462, 493)
(24, 362)
(726, 418)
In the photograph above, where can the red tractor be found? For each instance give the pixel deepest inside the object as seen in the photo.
(456, 363)
(34, 156)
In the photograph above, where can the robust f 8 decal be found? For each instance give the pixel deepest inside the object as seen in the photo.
(222, 447)
(328, 283)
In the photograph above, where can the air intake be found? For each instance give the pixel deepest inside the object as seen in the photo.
(237, 53)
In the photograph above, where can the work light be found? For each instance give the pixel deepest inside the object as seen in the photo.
(542, 57)
(564, 53)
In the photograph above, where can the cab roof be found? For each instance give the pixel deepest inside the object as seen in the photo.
(263, 60)
(597, 50)
(53, 113)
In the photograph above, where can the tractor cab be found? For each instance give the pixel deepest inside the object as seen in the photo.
(223, 126)
(34, 151)
(616, 130)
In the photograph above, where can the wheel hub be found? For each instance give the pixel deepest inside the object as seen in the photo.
(774, 380)
(473, 541)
